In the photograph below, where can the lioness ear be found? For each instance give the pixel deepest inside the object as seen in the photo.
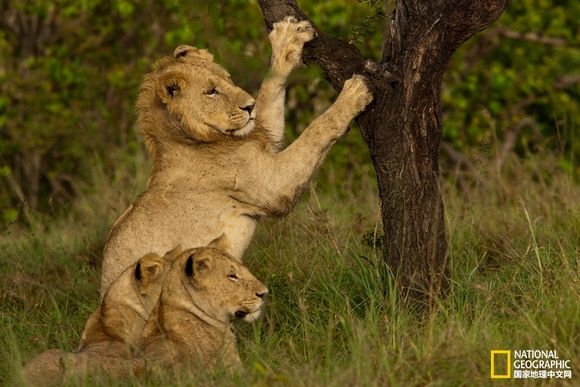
(169, 85)
(197, 266)
(138, 275)
(148, 269)
(219, 243)
(189, 266)
(172, 254)
(188, 51)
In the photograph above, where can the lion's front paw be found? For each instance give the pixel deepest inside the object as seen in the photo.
(287, 39)
(356, 93)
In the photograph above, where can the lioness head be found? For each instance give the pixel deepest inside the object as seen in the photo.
(133, 296)
(189, 98)
(209, 283)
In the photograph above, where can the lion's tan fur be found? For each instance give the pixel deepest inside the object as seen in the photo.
(216, 172)
(205, 290)
(127, 306)
(113, 332)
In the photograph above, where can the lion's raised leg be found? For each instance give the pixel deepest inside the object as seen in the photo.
(287, 38)
(279, 179)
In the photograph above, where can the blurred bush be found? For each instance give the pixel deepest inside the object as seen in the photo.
(516, 87)
(70, 70)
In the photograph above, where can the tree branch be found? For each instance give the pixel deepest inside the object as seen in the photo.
(338, 59)
(402, 126)
(441, 26)
(531, 37)
(388, 8)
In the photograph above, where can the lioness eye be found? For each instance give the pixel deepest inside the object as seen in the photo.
(233, 276)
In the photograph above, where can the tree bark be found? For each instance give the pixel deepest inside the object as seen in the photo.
(402, 127)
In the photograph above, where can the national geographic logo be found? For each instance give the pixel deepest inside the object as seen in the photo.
(528, 364)
(503, 364)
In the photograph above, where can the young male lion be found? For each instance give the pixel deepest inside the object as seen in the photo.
(113, 332)
(216, 165)
(204, 291)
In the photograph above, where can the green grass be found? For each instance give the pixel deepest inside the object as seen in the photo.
(333, 318)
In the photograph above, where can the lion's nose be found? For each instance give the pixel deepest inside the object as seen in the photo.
(249, 107)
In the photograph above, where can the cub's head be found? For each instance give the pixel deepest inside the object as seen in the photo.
(134, 295)
(215, 285)
(189, 98)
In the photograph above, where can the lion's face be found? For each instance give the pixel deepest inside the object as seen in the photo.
(194, 99)
(219, 285)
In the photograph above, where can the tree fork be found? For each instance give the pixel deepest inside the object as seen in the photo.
(402, 127)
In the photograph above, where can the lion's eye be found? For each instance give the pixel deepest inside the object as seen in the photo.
(211, 92)
(172, 89)
(233, 276)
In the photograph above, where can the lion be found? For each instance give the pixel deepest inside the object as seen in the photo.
(127, 306)
(205, 290)
(217, 166)
(113, 332)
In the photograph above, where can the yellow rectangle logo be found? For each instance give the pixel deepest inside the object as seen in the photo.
(508, 355)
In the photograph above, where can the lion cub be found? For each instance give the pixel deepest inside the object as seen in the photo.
(127, 306)
(113, 331)
(205, 290)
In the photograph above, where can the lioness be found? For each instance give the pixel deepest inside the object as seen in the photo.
(204, 291)
(127, 306)
(216, 165)
(113, 331)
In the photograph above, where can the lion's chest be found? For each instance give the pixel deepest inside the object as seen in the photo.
(196, 219)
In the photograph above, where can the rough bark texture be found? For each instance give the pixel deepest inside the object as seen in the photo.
(402, 127)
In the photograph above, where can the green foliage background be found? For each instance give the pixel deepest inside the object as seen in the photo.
(70, 70)
(71, 162)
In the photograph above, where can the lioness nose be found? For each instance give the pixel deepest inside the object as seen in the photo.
(249, 107)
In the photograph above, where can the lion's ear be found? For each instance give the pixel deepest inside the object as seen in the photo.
(172, 254)
(169, 85)
(188, 51)
(220, 243)
(199, 265)
(148, 269)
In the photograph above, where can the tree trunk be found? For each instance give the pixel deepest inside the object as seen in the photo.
(402, 127)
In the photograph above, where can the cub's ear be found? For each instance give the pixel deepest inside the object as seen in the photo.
(148, 269)
(169, 85)
(197, 266)
(184, 51)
